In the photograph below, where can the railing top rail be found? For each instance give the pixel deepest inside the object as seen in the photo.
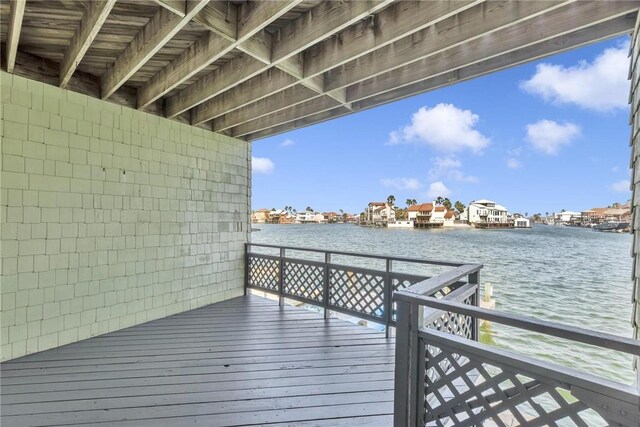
(573, 333)
(361, 255)
(434, 284)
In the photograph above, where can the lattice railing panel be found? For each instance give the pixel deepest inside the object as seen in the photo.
(465, 390)
(264, 273)
(455, 323)
(357, 291)
(400, 282)
(304, 280)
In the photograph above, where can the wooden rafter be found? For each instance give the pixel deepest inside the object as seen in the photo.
(160, 29)
(225, 37)
(178, 7)
(425, 41)
(354, 41)
(13, 33)
(96, 14)
(601, 31)
(556, 23)
(314, 23)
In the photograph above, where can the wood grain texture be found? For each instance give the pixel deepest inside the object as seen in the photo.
(243, 361)
(92, 21)
(13, 33)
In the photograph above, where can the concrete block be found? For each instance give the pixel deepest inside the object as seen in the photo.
(34, 150)
(11, 146)
(14, 180)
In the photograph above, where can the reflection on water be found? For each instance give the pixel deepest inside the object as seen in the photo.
(570, 275)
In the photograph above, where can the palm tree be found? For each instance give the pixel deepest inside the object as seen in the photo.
(309, 209)
(391, 200)
(411, 202)
(439, 200)
(460, 207)
(447, 203)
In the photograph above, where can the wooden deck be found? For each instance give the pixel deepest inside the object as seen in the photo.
(245, 361)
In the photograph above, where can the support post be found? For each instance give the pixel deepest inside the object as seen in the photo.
(409, 366)
(474, 278)
(281, 277)
(388, 297)
(247, 248)
(326, 284)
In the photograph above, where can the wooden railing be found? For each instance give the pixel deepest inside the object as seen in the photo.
(361, 292)
(444, 377)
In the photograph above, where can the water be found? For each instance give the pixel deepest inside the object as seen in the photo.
(563, 274)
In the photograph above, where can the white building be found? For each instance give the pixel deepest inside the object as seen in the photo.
(485, 211)
(567, 216)
(379, 212)
(522, 222)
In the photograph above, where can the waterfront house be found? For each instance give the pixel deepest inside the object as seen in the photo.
(331, 217)
(261, 216)
(379, 213)
(126, 186)
(521, 222)
(485, 212)
(567, 217)
(426, 215)
(420, 213)
(275, 216)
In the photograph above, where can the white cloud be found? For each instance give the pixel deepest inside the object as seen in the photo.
(449, 168)
(261, 165)
(443, 127)
(402, 183)
(548, 136)
(287, 143)
(437, 189)
(621, 186)
(514, 163)
(601, 85)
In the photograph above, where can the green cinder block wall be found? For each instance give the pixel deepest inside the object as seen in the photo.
(111, 217)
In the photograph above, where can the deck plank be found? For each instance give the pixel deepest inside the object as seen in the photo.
(245, 361)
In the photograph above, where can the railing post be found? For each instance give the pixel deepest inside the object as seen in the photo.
(326, 284)
(281, 277)
(388, 297)
(409, 366)
(247, 248)
(474, 278)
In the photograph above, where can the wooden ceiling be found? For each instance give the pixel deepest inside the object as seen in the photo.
(253, 69)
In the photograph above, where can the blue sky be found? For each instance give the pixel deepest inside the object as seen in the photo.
(545, 136)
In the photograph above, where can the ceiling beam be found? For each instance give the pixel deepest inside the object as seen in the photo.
(471, 24)
(592, 34)
(357, 41)
(582, 37)
(598, 32)
(178, 7)
(254, 89)
(542, 28)
(92, 20)
(314, 22)
(307, 108)
(221, 41)
(280, 101)
(221, 17)
(13, 32)
(451, 30)
(149, 40)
